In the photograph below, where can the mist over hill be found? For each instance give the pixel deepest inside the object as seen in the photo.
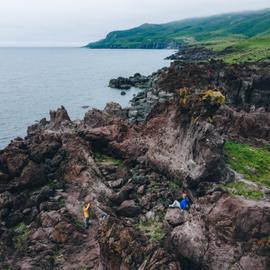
(244, 25)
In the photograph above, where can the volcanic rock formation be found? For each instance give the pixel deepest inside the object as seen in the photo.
(130, 163)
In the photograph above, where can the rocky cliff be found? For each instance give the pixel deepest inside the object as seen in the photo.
(130, 163)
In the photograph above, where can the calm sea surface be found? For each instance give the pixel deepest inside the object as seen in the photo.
(36, 80)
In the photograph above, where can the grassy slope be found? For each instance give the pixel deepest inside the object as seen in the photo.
(243, 50)
(247, 34)
(253, 163)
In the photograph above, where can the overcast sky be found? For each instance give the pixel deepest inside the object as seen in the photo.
(76, 22)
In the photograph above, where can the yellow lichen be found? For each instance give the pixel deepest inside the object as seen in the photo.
(183, 94)
(214, 96)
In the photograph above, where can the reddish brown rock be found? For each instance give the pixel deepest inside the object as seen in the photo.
(33, 175)
(14, 162)
(122, 247)
(129, 209)
(226, 237)
(58, 117)
(175, 216)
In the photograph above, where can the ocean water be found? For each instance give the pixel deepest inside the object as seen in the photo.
(36, 80)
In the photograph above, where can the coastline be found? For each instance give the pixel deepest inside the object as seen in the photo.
(130, 163)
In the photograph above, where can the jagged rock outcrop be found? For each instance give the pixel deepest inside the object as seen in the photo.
(252, 127)
(59, 116)
(138, 81)
(224, 234)
(123, 247)
(181, 147)
(131, 166)
(243, 85)
(194, 53)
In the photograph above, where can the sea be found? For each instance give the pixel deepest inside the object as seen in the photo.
(34, 81)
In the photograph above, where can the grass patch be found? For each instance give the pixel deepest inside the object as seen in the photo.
(242, 189)
(79, 224)
(253, 163)
(219, 44)
(7, 267)
(62, 202)
(22, 233)
(58, 258)
(154, 229)
(250, 50)
(175, 186)
(242, 49)
(106, 159)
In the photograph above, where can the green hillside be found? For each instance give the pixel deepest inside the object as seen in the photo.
(243, 50)
(247, 34)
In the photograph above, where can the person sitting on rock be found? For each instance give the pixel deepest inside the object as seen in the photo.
(86, 214)
(183, 203)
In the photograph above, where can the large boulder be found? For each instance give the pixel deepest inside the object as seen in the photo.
(14, 162)
(175, 216)
(190, 241)
(230, 234)
(129, 209)
(40, 151)
(252, 127)
(120, 83)
(33, 175)
(122, 195)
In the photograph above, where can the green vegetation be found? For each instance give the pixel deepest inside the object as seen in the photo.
(153, 228)
(62, 202)
(79, 224)
(101, 158)
(7, 267)
(58, 257)
(22, 233)
(242, 189)
(245, 35)
(175, 187)
(253, 163)
(243, 50)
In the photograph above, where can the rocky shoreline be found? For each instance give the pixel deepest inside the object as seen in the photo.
(131, 163)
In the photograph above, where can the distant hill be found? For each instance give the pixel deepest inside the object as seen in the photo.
(226, 27)
(244, 36)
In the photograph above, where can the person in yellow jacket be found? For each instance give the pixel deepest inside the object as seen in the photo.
(86, 214)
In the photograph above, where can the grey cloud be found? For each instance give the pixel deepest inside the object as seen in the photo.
(76, 22)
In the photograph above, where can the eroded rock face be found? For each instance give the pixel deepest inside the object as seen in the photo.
(129, 209)
(131, 167)
(252, 127)
(243, 86)
(189, 151)
(175, 217)
(122, 247)
(37, 219)
(225, 235)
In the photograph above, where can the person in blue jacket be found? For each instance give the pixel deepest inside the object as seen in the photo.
(183, 203)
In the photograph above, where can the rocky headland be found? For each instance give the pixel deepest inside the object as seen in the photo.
(130, 163)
